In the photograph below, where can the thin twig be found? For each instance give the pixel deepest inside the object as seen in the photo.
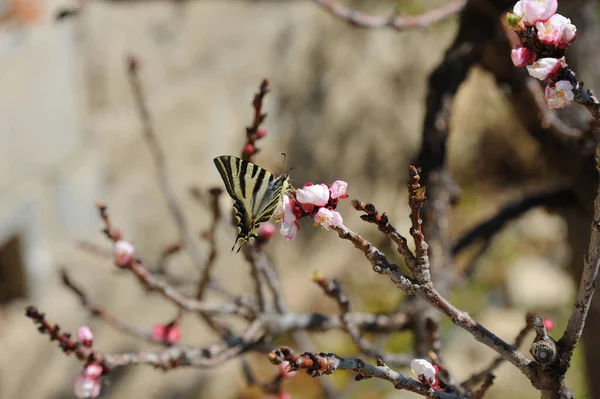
(158, 155)
(333, 289)
(383, 224)
(318, 364)
(97, 310)
(168, 358)
(204, 281)
(395, 22)
(155, 283)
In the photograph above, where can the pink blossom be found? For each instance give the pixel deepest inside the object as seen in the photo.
(522, 56)
(328, 218)
(87, 383)
(424, 370)
(559, 94)
(317, 195)
(123, 252)
(545, 67)
(283, 395)
(283, 370)
(85, 335)
(169, 334)
(558, 31)
(338, 189)
(532, 11)
(266, 230)
(286, 214)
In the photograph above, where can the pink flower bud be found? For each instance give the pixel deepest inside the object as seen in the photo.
(545, 67)
(548, 324)
(317, 194)
(123, 252)
(266, 230)
(338, 189)
(522, 56)
(249, 149)
(169, 334)
(283, 366)
(85, 335)
(158, 332)
(283, 395)
(261, 133)
(559, 94)
(328, 218)
(173, 334)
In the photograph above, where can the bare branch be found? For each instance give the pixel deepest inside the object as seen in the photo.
(487, 372)
(395, 22)
(97, 310)
(333, 290)
(133, 66)
(318, 364)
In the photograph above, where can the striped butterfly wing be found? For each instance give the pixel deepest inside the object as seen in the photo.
(255, 191)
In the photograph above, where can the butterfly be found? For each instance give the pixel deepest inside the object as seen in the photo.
(256, 192)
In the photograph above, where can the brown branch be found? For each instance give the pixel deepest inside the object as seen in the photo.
(587, 286)
(381, 265)
(210, 235)
(318, 364)
(416, 199)
(383, 224)
(487, 384)
(154, 283)
(252, 132)
(333, 290)
(64, 340)
(97, 310)
(395, 22)
(168, 358)
(497, 362)
(555, 198)
(186, 237)
(278, 324)
(170, 250)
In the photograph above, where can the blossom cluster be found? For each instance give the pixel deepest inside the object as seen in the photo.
(545, 36)
(316, 200)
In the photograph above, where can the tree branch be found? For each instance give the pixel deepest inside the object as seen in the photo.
(318, 364)
(395, 22)
(158, 155)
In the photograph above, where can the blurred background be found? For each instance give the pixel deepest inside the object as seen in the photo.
(345, 104)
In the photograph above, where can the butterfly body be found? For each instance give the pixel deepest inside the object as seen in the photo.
(255, 191)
